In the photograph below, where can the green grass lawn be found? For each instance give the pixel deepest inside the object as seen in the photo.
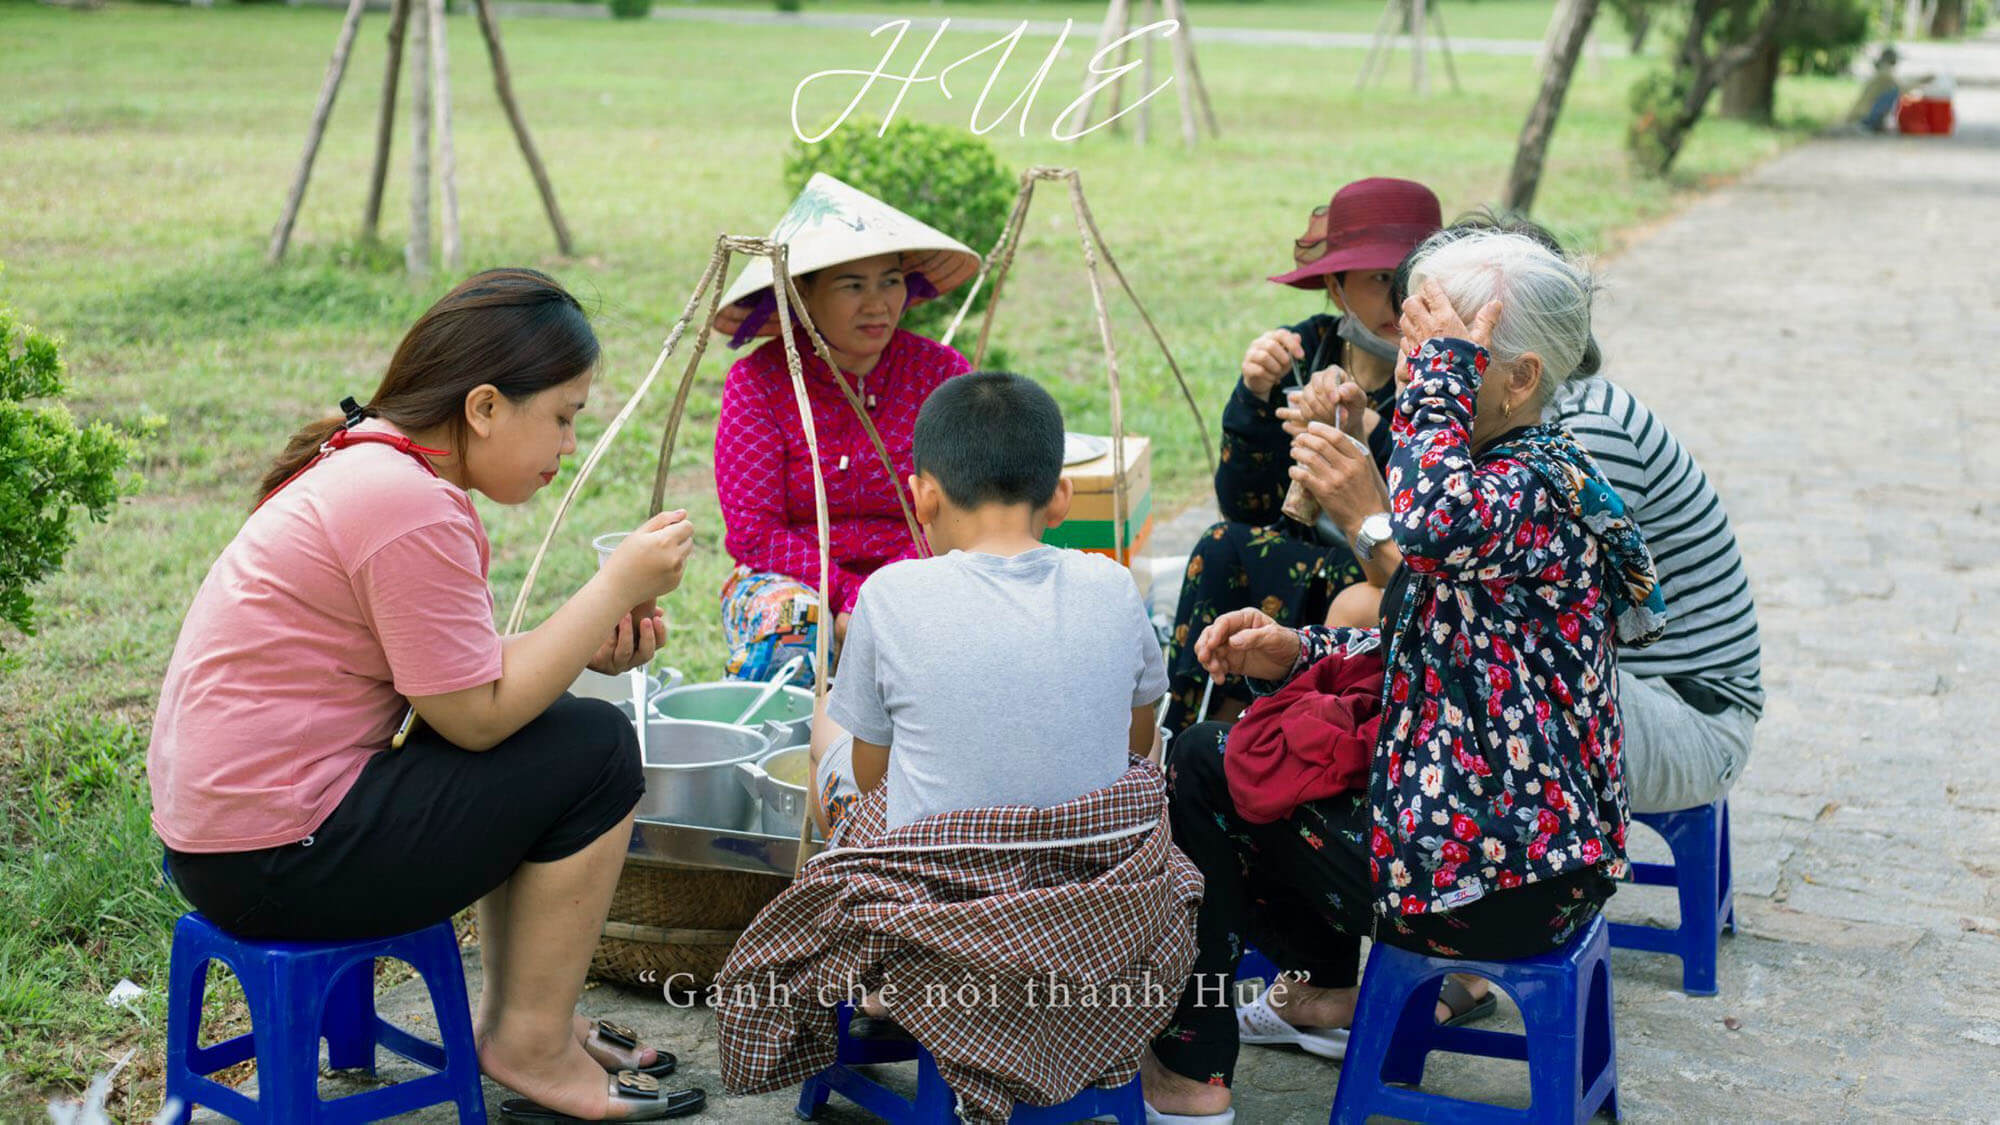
(144, 153)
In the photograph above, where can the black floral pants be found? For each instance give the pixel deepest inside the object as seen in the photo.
(1281, 569)
(1299, 890)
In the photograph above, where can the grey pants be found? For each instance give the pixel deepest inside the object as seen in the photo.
(1675, 756)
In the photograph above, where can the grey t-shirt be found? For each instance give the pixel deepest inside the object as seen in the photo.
(997, 681)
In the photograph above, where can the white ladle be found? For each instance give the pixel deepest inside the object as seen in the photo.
(787, 671)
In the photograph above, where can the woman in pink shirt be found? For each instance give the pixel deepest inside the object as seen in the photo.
(359, 583)
(858, 264)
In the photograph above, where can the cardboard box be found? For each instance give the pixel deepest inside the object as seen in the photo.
(1093, 522)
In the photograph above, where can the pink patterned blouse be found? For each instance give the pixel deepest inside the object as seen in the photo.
(764, 479)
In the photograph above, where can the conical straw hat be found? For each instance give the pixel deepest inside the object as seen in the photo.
(830, 223)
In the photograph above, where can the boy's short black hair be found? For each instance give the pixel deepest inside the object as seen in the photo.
(991, 437)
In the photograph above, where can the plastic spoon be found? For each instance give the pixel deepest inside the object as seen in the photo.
(786, 672)
(638, 678)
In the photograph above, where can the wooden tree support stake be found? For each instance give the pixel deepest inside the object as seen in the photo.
(503, 85)
(1187, 81)
(329, 89)
(385, 121)
(431, 108)
(1415, 16)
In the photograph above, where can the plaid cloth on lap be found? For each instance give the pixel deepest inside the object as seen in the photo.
(1033, 952)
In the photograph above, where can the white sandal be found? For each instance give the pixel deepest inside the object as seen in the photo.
(1155, 1117)
(1259, 1023)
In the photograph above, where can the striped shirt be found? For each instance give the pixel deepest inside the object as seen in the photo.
(1712, 622)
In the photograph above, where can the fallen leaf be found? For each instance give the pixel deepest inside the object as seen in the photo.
(1732, 1023)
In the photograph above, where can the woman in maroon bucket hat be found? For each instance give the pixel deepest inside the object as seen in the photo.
(1256, 557)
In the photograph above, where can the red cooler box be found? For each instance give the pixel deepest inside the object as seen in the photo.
(1917, 115)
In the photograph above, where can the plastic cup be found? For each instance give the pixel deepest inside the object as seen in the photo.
(606, 544)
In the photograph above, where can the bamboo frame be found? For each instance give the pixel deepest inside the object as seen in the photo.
(707, 299)
(1093, 246)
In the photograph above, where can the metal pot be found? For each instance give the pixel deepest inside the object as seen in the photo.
(691, 773)
(723, 702)
(780, 803)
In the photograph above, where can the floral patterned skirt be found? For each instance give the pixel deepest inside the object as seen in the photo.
(1281, 569)
(767, 619)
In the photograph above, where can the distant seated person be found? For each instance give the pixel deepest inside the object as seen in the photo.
(1007, 831)
(1877, 102)
(858, 264)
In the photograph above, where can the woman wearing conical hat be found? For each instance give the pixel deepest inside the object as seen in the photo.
(859, 264)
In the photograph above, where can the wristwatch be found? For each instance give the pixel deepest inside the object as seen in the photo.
(1374, 531)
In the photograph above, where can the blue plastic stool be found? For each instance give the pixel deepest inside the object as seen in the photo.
(935, 1104)
(1565, 1002)
(299, 991)
(1699, 839)
(1255, 964)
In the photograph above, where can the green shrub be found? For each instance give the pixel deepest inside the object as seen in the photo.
(788, 5)
(948, 178)
(49, 468)
(631, 9)
(1823, 38)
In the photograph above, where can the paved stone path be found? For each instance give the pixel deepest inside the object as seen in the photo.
(1823, 337)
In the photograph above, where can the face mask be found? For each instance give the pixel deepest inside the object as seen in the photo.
(1351, 330)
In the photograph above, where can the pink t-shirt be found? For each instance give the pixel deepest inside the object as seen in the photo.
(361, 582)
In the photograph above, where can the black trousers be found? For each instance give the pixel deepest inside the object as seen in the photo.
(428, 830)
(1298, 889)
(1280, 569)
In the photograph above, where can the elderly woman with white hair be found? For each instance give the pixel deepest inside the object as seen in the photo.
(1494, 816)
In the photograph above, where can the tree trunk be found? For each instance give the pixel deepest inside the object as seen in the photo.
(1750, 93)
(1661, 137)
(1642, 26)
(1533, 149)
(441, 123)
(1948, 19)
(417, 252)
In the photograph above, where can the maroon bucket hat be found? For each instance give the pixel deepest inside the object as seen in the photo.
(1370, 225)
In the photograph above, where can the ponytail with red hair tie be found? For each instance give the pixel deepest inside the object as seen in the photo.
(345, 436)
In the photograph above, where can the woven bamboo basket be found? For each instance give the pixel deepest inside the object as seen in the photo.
(671, 928)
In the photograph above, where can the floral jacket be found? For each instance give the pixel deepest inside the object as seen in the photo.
(1499, 757)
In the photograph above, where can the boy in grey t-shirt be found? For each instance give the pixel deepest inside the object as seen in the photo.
(1001, 671)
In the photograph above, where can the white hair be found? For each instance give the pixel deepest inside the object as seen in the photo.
(1544, 298)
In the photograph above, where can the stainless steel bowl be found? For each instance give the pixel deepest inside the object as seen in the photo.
(691, 773)
(722, 702)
